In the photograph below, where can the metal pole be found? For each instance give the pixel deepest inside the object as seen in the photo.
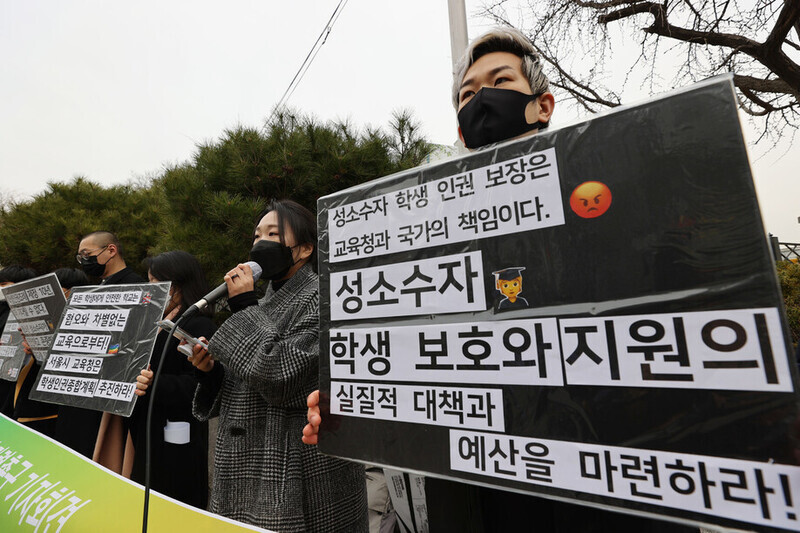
(457, 13)
(458, 29)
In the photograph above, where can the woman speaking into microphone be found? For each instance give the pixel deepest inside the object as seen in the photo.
(260, 366)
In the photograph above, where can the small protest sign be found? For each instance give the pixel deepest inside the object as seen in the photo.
(104, 338)
(37, 305)
(12, 354)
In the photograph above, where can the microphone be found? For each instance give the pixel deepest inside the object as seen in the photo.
(220, 291)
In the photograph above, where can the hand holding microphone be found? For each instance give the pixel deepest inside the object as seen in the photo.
(239, 280)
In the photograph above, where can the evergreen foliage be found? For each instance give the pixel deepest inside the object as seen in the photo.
(44, 233)
(208, 205)
(789, 277)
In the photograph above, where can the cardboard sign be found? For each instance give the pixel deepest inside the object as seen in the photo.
(589, 313)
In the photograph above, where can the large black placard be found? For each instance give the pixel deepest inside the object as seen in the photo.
(645, 364)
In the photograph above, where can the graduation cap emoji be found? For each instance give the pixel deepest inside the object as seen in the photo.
(509, 282)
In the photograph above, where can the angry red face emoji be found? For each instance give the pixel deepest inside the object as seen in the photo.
(590, 199)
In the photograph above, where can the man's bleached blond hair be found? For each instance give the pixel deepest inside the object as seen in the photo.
(503, 40)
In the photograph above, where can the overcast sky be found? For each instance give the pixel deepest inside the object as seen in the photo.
(115, 91)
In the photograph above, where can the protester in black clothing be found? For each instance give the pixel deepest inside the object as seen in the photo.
(76, 427)
(100, 256)
(8, 276)
(180, 468)
(500, 92)
(38, 416)
(63, 423)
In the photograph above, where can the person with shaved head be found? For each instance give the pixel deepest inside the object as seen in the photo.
(100, 256)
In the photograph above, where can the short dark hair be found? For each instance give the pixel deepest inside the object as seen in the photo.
(302, 222)
(104, 238)
(16, 273)
(183, 270)
(71, 277)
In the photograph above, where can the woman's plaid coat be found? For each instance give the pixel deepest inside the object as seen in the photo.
(264, 475)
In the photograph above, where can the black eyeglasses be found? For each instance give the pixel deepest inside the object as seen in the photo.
(84, 256)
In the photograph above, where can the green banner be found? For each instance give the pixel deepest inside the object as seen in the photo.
(46, 487)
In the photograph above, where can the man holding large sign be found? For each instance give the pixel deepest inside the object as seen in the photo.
(649, 371)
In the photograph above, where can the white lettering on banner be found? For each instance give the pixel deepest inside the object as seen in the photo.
(511, 352)
(436, 406)
(750, 491)
(512, 196)
(95, 319)
(449, 284)
(740, 349)
(30, 311)
(34, 326)
(73, 386)
(106, 298)
(42, 502)
(5, 339)
(74, 363)
(16, 298)
(40, 341)
(37, 293)
(83, 343)
(115, 390)
(8, 351)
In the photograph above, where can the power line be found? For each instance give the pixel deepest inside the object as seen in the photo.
(301, 72)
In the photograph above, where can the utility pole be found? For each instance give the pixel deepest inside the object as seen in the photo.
(458, 29)
(458, 40)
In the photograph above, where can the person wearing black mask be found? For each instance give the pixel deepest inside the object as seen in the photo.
(179, 447)
(260, 366)
(500, 93)
(100, 256)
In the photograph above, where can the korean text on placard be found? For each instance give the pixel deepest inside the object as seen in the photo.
(739, 349)
(758, 493)
(439, 406)
(448, 284)
(512, 196)
(521, 352)
(106, 298)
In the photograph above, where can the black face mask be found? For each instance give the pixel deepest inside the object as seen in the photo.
(495, 115)
(274, 258)
(92, 268)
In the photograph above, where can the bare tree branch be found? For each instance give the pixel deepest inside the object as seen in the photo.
(641, 7)
(749, 38)
(769, 86)
(789, 17)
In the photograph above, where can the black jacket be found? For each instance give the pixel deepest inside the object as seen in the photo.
(77, 427)
(177, 470)
(39, 416)
(124, 276)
